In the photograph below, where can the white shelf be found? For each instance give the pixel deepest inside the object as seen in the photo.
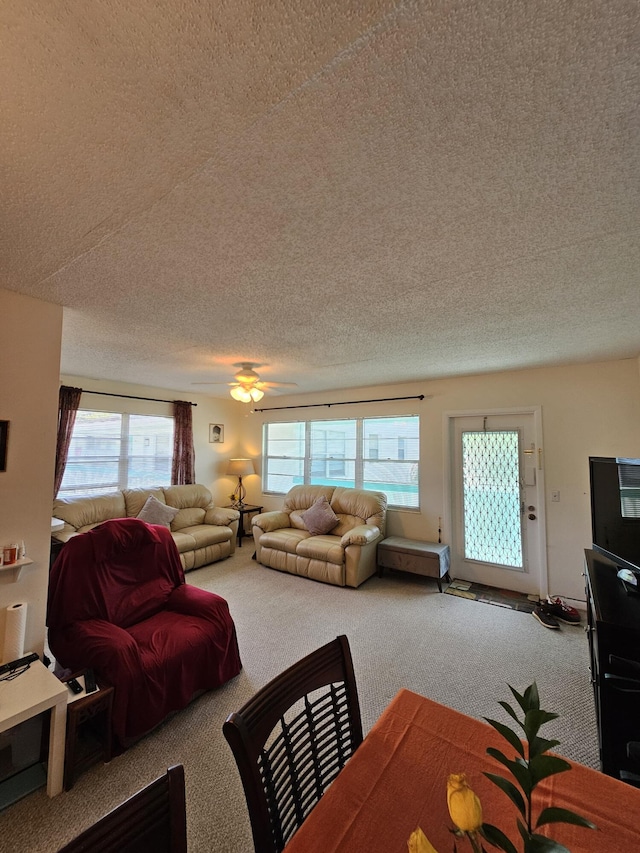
(15, 568)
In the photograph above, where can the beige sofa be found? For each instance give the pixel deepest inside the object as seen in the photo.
(203, 532)
(345, 556)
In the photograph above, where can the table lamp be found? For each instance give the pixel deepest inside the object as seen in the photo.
(240, 468)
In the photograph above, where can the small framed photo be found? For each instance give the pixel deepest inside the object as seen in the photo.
(4, 435)
(216, 433)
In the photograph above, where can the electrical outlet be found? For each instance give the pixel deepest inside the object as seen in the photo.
(555, 496)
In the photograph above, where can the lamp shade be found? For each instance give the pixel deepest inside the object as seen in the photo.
(240, 467)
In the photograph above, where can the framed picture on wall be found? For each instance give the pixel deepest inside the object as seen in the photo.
(4, 434)
(216, 433)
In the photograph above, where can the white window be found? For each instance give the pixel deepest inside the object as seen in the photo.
(111, 451)
(378, 454)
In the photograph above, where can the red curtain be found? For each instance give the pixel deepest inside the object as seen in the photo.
(68, 403)
(183, 465)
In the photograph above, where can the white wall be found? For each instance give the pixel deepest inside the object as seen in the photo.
(587, 410)
(31, 334)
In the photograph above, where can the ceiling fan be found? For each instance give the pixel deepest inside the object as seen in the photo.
(247, 385)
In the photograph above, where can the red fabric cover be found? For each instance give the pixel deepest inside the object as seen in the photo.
(118, 602)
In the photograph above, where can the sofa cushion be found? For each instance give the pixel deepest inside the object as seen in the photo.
(156, 512)
(286, 539)
(184, 542)
(301, 498)
(88, 512)
(191, 495)
(205, 534)
(358, 506)
(327, 548)
(320, 518)
(188, 517)
(135, 499)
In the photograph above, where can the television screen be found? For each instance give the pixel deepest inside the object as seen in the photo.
(615, 507)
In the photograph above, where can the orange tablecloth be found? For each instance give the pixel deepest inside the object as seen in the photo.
(397, 781)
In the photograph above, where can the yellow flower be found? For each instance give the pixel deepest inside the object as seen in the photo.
(419, 843)
(464, 806)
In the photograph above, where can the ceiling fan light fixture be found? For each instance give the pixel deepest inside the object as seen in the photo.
(256, 394)
(246, 375)
(241, 394)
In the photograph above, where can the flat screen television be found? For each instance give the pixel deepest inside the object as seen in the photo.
(615, 509)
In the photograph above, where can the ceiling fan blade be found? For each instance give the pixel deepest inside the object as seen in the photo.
(267, 384)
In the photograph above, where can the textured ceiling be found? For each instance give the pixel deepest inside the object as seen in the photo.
(349, 192)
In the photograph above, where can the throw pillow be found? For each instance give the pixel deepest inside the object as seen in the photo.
(319, 518)
(155, 512)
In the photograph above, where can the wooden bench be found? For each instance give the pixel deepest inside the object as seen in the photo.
(430, 559)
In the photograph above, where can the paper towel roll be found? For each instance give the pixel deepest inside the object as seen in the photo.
(14, 631)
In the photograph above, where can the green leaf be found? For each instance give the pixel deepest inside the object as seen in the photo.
(558, 815)
(507, 707)
(542, 844)
(524, 703)
(539, 745)
(524, 832)
(518, 768)
(497, 838)
(534, 719)
(531, 697)
(543, 766)
(510, 790)
(507, 734)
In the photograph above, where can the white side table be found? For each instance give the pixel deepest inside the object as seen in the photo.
(31, 693)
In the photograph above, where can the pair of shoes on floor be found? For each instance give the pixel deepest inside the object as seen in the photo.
(553, 609)
(544, 618)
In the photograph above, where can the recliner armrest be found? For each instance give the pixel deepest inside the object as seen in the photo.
(102, 646)
(274, 520)
(361, 534)
(192, 601)
(221, 515)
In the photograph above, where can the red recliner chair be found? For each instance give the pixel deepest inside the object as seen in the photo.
(118, 603)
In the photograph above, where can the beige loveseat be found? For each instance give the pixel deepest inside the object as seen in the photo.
(345, 556)
(203, 532)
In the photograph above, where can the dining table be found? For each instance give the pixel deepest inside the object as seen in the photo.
(396, 781)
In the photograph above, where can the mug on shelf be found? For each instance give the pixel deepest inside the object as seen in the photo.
(10, 554)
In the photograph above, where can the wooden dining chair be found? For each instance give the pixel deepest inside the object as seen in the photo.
(293, 738)
(151, 821)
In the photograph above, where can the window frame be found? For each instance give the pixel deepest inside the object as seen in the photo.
(125, 461)
(309, 465)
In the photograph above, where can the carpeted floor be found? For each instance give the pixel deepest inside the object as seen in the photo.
(403, 633)
(492, 595)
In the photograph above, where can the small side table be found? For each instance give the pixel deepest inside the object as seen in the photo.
(36, 690)
(430, 559)
(248, 510)
(88, 730)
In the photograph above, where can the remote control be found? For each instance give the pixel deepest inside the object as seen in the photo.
(18, 663)
(74, 685)
(90, 681)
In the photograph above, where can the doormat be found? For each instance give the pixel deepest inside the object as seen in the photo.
(492, 595)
